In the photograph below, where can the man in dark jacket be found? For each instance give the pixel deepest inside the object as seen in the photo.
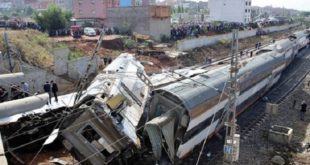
(47, 89)
(303, 110)
(54, 90)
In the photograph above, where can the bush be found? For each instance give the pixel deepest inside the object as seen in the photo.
(225, 43)
(129, 43)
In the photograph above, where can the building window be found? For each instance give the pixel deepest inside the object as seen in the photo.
(246, 3)
(246, 10)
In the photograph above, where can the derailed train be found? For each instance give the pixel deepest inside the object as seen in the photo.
(124, 112)
(184, 108)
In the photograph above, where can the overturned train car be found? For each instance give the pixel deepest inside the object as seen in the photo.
(124, 119)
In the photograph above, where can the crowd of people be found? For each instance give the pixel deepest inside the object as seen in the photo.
(17, 24)
(181, 31)
(23, 90)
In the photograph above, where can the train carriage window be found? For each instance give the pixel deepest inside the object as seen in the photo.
(91, 135)
(196, 130)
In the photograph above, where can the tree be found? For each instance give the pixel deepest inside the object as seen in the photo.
(179, 9)
(29, 11)
(53, 18)
(5, 17)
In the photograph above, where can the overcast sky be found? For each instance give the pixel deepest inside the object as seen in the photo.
(292, 4)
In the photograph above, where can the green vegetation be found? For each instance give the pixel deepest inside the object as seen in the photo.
(5, 17)
(35, 47)
(225, 43)
(54, 18)
(75, 54)
(129, 43)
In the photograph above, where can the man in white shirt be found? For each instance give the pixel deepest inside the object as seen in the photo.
(25, 88)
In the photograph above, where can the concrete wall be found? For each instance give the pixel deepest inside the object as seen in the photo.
(159, 27)
(139, 19)
(36, 77)
(188, 44)
(61, 61)
(77, 68)
(74, 69)
(134, 18)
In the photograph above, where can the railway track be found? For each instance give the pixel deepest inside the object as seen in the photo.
(255, 116)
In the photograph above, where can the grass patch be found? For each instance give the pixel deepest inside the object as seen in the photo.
(75, 54)
(35, 47)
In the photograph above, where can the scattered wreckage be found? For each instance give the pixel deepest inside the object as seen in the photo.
(124, 113)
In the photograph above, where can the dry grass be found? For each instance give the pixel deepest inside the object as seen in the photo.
(35, 47)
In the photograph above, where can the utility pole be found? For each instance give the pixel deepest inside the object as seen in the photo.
(231, 146)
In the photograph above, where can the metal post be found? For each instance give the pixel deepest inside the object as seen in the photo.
(231, 146)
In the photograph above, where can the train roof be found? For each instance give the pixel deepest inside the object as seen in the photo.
(197, 89)
(279, 46)
(299, 34)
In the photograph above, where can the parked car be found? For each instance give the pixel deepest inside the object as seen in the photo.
(90, 31)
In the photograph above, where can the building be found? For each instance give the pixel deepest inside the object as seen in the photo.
(64, 4)
(125, 3)
(230, 10)
(17, 4)
(258, 12)
(147, 20)
(5, 6)
(43, 4)
(38, 4)
(92, 9)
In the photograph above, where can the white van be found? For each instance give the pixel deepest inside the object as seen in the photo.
(88, 31)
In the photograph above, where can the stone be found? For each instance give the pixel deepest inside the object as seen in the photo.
(278, 160)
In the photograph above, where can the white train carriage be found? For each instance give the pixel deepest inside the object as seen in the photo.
(199, 102)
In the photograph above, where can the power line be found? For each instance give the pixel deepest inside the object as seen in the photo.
(61, 130)
(204, 142)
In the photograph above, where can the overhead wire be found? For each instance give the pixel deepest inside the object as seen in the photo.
(36, 140)
(134, 78)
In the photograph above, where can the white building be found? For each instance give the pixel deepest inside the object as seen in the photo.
(230, 10)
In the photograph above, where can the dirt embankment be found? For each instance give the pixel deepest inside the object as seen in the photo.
(221, 50)
(36, 48)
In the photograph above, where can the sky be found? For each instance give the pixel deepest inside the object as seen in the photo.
(291, 4)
